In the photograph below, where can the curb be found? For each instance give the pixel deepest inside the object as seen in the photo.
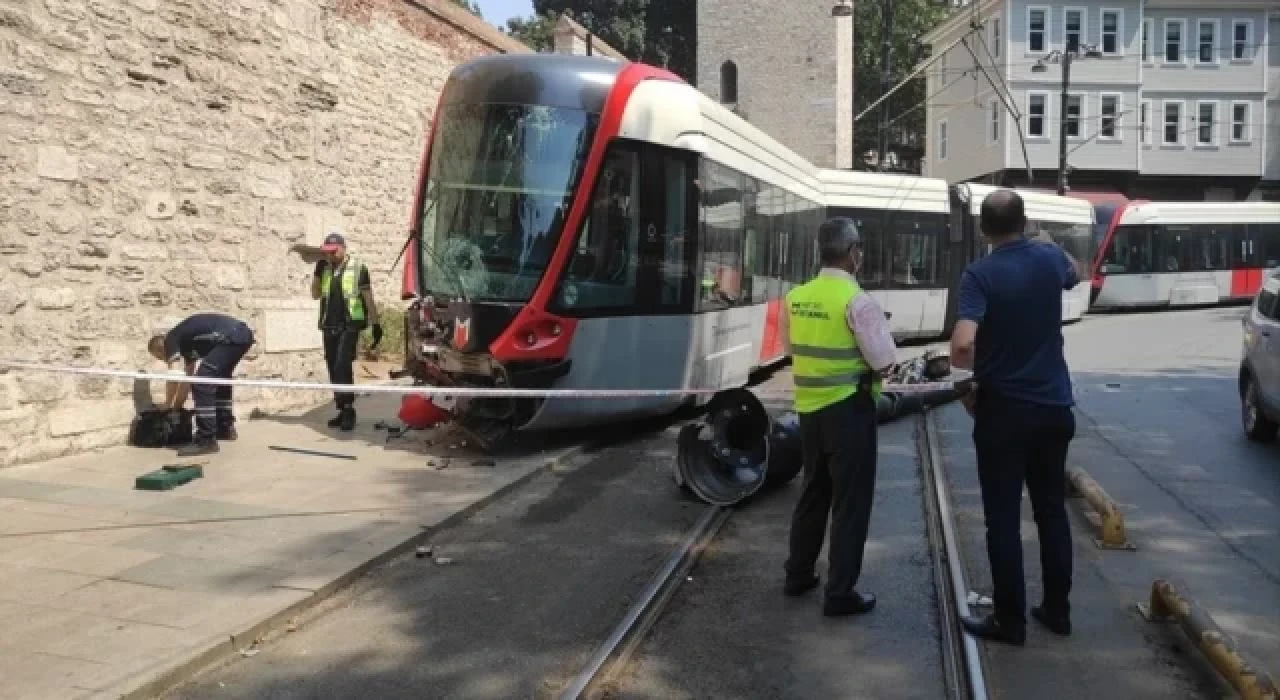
(183, 671)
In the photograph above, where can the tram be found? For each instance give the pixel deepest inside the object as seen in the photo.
(1174, 254)
(584, 223)
(1066, 221)
(906, 256)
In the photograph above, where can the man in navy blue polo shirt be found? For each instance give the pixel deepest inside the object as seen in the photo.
(1009, 332)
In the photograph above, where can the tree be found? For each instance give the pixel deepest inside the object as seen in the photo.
(470, 6)
(536, 32)
(660, 32)
(911, 20)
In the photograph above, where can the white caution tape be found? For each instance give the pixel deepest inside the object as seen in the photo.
(453, 391)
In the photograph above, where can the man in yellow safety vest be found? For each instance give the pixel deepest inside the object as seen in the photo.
(839, 341)
(346, 309)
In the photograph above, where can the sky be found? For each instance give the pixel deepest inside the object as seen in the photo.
(497, 11)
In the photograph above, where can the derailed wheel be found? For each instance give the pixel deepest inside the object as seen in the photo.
(745, 451)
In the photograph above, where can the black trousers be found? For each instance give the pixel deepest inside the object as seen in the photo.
(1019, 442)
(213, 402)
(839, 445)
(340, 356)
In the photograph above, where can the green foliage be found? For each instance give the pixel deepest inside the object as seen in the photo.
(392, 347)
(658, 32)
(911, 20)
(536, 32)
(470, 6)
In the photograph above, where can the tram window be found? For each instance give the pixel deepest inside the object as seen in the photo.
(915, 250)
(602, 273)
(1265, 248)
(721, 244)
(1210, 247)
(1132, 251)
(772, 207)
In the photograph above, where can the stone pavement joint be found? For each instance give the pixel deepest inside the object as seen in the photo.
(115, 592)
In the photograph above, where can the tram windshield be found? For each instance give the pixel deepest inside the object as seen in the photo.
(1076, 240)
(498, 188)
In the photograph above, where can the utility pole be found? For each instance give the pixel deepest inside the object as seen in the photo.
(1062, 122)
(886, 80)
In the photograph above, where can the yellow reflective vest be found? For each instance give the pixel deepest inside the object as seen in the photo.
(350, 282)
(826, 362)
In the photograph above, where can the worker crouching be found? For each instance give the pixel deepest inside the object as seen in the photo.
(208, 345)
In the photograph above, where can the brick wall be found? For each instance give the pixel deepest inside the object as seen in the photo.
(159, 157)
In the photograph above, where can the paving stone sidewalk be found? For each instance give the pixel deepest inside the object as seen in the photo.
(105, 590)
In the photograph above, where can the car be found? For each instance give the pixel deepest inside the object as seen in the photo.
(1259, 381)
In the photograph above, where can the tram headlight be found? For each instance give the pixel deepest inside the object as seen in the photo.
(555, 330)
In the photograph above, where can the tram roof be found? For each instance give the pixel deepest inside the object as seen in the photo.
(1152, 213)
(553, 80)
(863, 190)
(1040, 206)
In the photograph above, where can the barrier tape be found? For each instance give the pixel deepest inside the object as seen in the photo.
(433, 390)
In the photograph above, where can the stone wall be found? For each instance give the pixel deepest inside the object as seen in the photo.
(788, 63)
(159, 157)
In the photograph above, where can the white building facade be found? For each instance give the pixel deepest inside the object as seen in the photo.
(1167, 99)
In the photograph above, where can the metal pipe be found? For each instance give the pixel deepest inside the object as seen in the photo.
(1111, 522)
(1167, 602)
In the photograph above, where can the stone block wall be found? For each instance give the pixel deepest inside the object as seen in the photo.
(159, 157)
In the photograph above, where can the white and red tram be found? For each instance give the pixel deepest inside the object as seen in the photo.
(587, 224)
(1066, 221)
(1172, 254)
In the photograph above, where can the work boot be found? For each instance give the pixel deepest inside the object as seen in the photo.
(347, 419)
(800, 586)
(202, 446)
(227, 432)
(337, 420)
(1057, 623)
(853, 604)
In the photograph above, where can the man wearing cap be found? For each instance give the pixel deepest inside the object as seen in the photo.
(839, 341)
(346, 309)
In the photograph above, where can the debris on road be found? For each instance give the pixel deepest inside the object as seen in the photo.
(424, 551)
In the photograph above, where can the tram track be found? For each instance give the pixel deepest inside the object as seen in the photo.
(964, 676)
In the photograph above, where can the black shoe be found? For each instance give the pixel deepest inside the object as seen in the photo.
(853, 604)
(227, 432)
(336, 420)
(347, 420)
(992, 629)
(1058, 624)
(199, 448)
(795, 586)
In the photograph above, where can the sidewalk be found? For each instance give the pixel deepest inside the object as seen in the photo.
(108, 591)
(1113, 652)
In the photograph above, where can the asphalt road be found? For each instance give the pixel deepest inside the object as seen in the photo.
(730, 633)
(536, 582)
(1158, 428)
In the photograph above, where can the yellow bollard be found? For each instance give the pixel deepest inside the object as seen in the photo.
(1111, 522)
(1168, 604)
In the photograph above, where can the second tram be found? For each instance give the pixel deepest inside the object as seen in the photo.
(1065, 221)
(1172, 254)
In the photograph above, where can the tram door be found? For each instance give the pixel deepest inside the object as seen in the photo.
(961, 244)
(666, 256)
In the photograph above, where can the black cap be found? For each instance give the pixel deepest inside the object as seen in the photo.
(333, 241)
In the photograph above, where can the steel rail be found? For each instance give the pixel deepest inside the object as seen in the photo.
(618, 647)
(955, 580)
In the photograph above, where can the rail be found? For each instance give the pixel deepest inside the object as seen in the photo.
(1168, 604)
(1111, 532)
(966, 675)
(613, 654)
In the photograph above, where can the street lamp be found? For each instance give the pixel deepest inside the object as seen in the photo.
(1041, 66)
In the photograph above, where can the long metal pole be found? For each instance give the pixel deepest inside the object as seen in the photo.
(1062, 124)
(886, 79)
